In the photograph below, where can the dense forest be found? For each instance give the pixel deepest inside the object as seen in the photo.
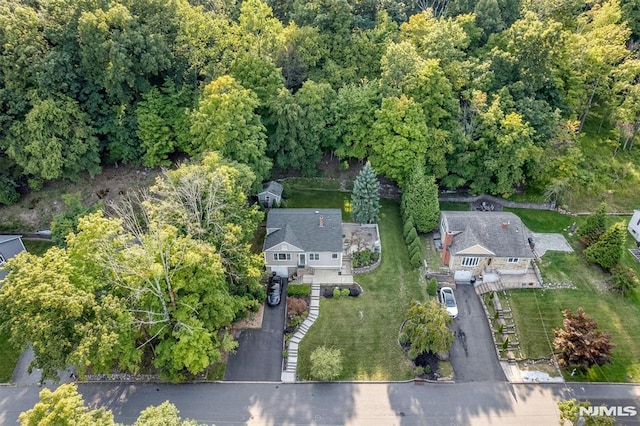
(489, 95)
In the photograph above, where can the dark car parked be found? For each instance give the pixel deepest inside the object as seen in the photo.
(274, 292)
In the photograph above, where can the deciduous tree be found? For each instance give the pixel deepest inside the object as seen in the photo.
(426, 328)
(580, 343)
(64, 406)
(226, 121)
(400, 138)
(55, 140)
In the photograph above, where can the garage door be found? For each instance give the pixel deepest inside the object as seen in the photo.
(281, 271)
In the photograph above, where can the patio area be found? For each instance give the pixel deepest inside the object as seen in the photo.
(358, 237)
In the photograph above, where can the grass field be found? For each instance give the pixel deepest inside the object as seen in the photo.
(539, 312)
(365, 328)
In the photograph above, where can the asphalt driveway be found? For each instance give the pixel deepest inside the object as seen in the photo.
(259, 353)
(473, 355)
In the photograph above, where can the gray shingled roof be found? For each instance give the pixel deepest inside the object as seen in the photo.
(485, 229)
(301, 228)
(10, 246)
(272, 187)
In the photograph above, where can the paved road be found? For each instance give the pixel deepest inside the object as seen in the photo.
(259, 354)
(473, 355)
(478, 403)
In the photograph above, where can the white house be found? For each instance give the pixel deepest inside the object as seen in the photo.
(308, 240)
(634, 225)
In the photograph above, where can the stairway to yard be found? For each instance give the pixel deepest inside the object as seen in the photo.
(289, 374)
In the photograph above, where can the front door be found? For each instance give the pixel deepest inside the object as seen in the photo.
(302, 260)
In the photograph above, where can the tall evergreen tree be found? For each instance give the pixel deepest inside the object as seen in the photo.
(420, 200)
(609, 248)
(595, 226)
(365, 199)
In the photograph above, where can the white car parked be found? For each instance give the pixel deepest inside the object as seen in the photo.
(448, 300)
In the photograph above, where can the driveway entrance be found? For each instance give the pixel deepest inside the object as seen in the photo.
(259, 353)
(473, 355)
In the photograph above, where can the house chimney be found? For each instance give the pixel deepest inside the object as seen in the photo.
(321, 221)
(448, 240)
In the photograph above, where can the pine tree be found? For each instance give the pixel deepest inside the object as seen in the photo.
(609, 248)
(365, 199)
(420, 199)
(595, 226)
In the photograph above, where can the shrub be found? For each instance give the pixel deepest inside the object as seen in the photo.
(375, 256)
(416, 260)
(326, 363)
(427, 369)
(412, 235)
(404, 338)
(419, 371)
(415, 245)
(328, 293)
(432, 287)
(344, 292)
(336, 293)
(354, 291)
(297, 320)
(301, 290)
(408, 225)
(285, 354)
(624, 279)
(296, 306)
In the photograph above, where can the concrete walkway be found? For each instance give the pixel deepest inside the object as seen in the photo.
(550, 242)
(289, 375)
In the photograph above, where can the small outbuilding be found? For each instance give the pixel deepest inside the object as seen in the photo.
(271, 194)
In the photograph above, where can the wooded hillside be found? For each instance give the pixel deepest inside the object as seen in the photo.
(490, 96)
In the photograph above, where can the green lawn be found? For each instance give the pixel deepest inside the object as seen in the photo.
(365, 328)
(539, 312)
(544, 220)
(305, 198)
(37, 247)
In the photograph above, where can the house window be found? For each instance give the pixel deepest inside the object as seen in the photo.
(513, 260)
(469, 261)
(334, 255)
(281, 256)
(314, 256)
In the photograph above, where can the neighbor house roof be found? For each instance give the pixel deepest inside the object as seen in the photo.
(312, 230)
(272, 187)
(10, 246)
(500, 234)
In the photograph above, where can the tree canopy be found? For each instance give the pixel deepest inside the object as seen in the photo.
(491, 96)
